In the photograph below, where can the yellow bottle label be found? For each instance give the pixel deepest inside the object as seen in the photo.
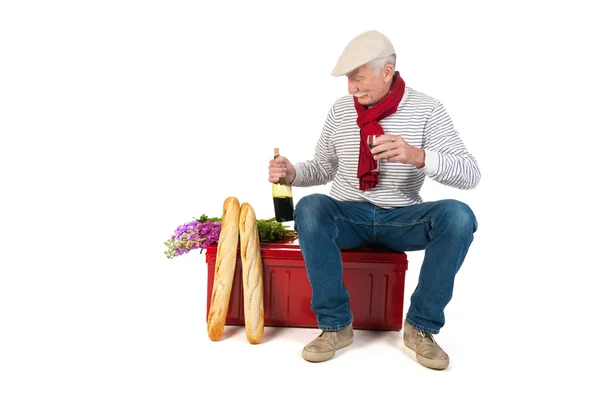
(280, 190)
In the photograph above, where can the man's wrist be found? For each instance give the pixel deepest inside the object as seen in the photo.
(297, 176)
(419, 158)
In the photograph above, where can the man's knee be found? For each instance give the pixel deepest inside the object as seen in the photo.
(459, 215)
(311, 210)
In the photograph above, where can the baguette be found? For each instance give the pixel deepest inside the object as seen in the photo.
(224, 268)
(252, 275)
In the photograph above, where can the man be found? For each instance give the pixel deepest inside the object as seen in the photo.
(415, 138)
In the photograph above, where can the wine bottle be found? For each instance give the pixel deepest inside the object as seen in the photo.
(282, 198)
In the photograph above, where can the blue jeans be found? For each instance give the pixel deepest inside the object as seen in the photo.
(444, 229)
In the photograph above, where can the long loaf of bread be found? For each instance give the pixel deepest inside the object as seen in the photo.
(252, 275)
(224, 268)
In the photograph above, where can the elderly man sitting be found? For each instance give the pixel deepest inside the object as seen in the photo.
(377, 146)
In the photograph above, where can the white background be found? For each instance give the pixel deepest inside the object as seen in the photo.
(120, 120)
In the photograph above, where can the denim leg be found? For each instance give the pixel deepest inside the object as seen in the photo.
(324, 227)
(445, 230)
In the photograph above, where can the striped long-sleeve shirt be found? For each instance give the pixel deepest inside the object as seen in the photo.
(422, 122)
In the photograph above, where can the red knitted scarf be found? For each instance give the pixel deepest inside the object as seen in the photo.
(368, 121)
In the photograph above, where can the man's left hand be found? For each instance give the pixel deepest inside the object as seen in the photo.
(395, 149)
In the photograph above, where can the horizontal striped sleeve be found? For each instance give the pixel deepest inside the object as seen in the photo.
(324, 164)
(456, 166)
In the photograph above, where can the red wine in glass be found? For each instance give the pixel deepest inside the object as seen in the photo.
(371, 143)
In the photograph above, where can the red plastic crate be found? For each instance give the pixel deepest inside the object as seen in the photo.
(374, 279)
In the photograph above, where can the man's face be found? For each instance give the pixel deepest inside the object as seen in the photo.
(368, 88)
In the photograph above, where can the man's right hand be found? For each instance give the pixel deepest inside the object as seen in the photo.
(281, 167)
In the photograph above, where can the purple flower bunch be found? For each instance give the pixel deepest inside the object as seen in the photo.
(197, 234)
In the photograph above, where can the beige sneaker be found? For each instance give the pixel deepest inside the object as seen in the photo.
(429, 353)
(324, 346)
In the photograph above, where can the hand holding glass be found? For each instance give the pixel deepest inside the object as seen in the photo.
(371, 142)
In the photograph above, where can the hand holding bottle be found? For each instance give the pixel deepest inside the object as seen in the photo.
(281, 173)
(281, 167)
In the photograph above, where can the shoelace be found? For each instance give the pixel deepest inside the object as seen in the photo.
(423, 334)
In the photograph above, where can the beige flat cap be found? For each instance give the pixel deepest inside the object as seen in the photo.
(364, 48)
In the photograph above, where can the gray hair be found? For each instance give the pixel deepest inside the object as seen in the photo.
(377, 64)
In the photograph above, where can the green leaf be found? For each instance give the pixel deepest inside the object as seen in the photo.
(269, 230)
(203, 218)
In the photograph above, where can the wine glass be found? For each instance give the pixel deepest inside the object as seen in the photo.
(371, 143)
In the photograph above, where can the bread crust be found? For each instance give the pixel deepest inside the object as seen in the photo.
(252, 275)
(224, 268)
